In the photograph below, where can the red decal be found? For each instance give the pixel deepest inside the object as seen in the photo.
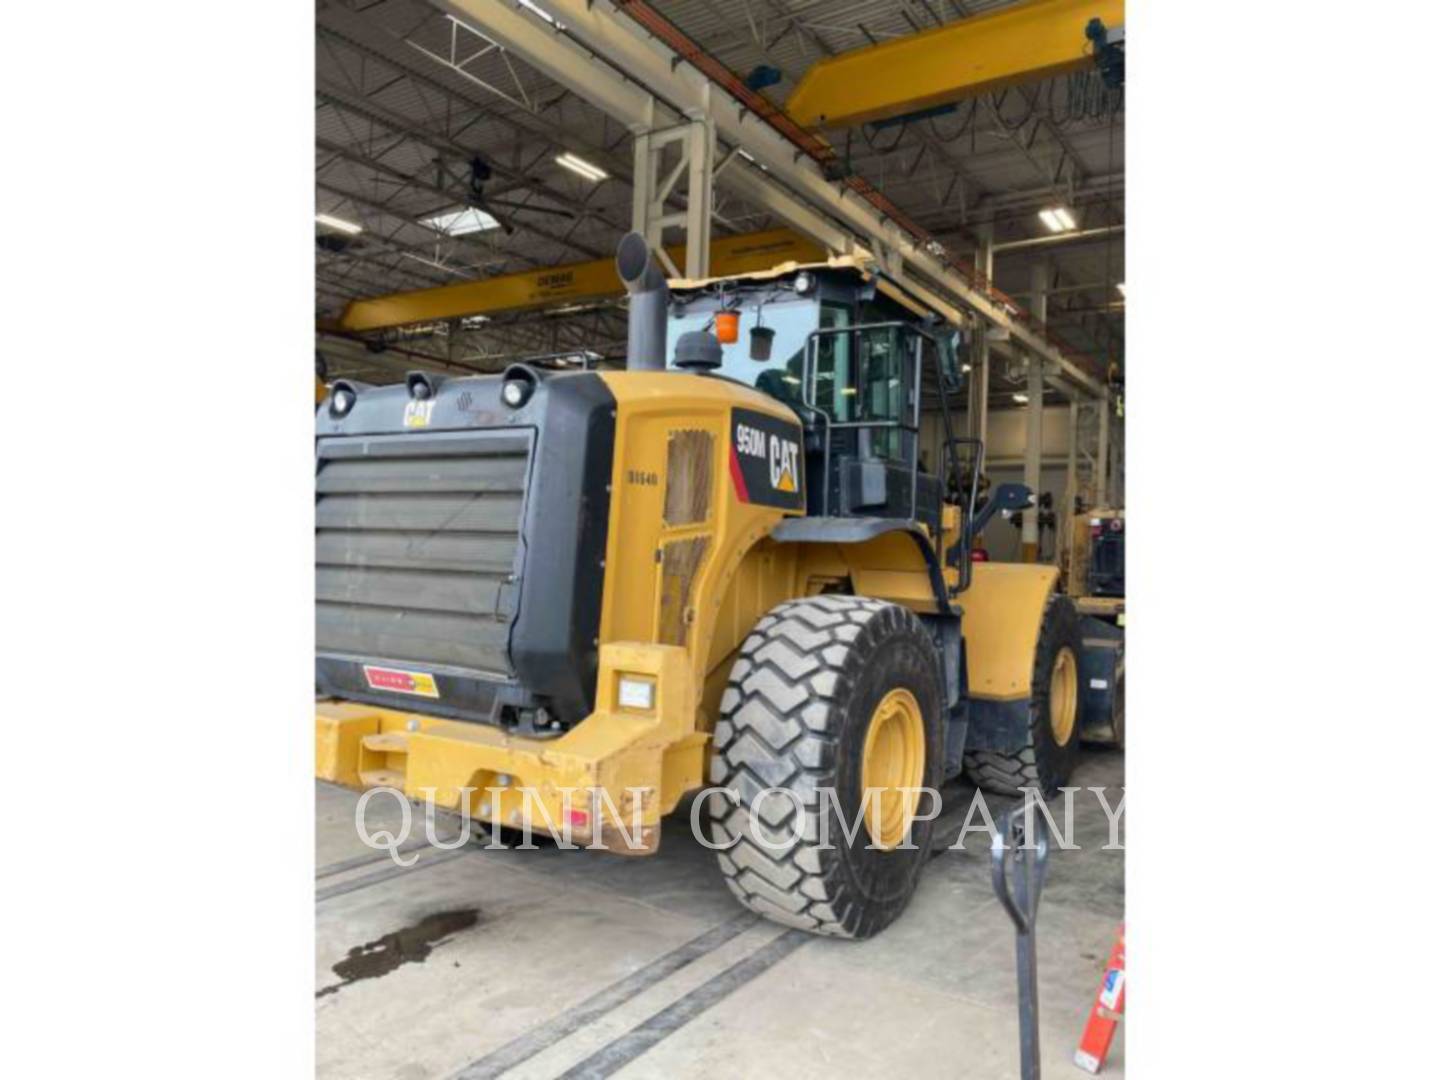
(390, 680)
(741, 492)
(421, 683)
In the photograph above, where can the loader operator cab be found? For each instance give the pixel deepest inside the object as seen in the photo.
(855, 359)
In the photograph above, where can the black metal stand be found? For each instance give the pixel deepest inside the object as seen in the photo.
(1018, 888)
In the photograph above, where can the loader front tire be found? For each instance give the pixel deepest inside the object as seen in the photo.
(828, 695)
(1052, 737)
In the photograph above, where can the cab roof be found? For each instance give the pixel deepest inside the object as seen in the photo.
(863, 266)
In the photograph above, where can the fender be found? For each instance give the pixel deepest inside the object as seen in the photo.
(1004, 608)
(858, 530)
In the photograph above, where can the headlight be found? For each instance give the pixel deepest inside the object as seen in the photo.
(804, 282)
(636, 693)
(341, 401)
(514, 393)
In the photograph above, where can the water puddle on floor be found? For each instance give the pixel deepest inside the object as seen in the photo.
(408, 946)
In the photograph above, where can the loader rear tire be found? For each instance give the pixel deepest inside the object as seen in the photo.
(1052, 745)
(830, 692)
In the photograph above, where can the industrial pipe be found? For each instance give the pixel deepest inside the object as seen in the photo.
(649, 303)
(1097, 233)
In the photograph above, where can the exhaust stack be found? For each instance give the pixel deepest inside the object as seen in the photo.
(649, 303)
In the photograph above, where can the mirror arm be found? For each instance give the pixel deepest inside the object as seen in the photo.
(993, 507)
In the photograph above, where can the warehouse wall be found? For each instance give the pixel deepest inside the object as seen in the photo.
(1005, 453)
(1006, 437)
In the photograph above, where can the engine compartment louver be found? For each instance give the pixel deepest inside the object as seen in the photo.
(417, 538)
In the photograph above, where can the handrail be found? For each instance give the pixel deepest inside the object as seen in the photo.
(808, 397)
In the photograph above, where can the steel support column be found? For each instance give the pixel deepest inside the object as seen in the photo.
(980, 348)
(1115, 474)
(656, 178)
(700, 196)
(1102, 455)
(1035, 419)
(1067, 510)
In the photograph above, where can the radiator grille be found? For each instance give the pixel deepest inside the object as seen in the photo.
(416, 541)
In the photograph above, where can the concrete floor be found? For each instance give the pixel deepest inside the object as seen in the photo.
(569, 963)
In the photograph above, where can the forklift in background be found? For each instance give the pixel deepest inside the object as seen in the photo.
(1092, 574)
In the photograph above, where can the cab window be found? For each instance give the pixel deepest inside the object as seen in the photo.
(834, 371)
(790, 322)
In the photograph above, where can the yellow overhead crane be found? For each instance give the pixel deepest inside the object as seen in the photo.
(1028, 41)
(570, 283)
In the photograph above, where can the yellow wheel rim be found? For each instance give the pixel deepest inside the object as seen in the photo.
(1064, 696)
(894, 759)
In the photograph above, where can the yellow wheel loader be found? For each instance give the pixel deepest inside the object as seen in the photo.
(577, 597)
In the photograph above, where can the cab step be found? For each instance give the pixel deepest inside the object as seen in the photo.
(382, 759)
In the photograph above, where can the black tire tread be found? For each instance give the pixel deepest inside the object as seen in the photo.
(779, 727)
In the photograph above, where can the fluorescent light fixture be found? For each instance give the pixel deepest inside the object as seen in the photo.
(462, 222)
(330, 221)
(1021, 399)
(581, 167)
(1057, 219)
(532, 6)
(848, 390)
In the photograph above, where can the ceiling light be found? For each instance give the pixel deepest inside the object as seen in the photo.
(461, 222)
(581, 166)
(532, 6)
(1057, 219)
(339, 224)
(1021, 399)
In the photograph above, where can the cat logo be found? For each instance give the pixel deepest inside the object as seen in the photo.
(417, 413)
(782, 477)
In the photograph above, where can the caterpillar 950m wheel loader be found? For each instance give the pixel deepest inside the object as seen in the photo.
(584, 595)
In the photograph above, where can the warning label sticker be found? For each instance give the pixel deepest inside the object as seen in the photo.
(419, 683)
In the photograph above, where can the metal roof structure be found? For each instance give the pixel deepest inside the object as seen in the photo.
(417, 116)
